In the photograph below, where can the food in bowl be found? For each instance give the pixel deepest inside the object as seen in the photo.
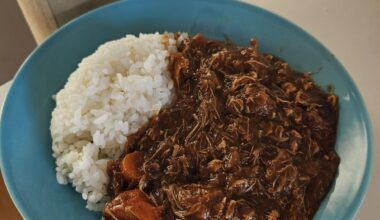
(111, 94)
(239, 134)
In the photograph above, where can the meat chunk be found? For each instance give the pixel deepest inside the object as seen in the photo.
(131, 205)
(131, 166)
(194, 201)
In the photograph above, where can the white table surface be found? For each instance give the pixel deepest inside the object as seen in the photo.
(351, 30)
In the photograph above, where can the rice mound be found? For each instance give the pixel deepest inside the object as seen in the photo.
(111, 94)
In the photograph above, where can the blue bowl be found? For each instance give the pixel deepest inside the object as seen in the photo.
(27, 165)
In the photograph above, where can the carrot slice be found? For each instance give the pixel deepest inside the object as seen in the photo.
(130, 166)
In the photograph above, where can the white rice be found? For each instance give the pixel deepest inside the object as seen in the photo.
(111, 94)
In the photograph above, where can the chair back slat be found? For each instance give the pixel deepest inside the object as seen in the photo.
(45, 16)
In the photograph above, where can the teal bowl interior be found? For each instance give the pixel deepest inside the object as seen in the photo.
(27, 165)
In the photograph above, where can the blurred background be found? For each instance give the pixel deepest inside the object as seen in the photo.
(16, 40)
(349, 28)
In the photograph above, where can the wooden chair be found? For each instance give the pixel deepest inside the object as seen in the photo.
(45, 16)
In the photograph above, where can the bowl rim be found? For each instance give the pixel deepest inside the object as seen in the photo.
(365, 181)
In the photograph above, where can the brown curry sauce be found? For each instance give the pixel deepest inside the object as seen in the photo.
(246, 138)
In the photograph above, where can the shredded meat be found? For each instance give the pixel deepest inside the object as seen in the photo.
(246, 138)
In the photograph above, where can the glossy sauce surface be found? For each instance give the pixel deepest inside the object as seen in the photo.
(246, 138)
